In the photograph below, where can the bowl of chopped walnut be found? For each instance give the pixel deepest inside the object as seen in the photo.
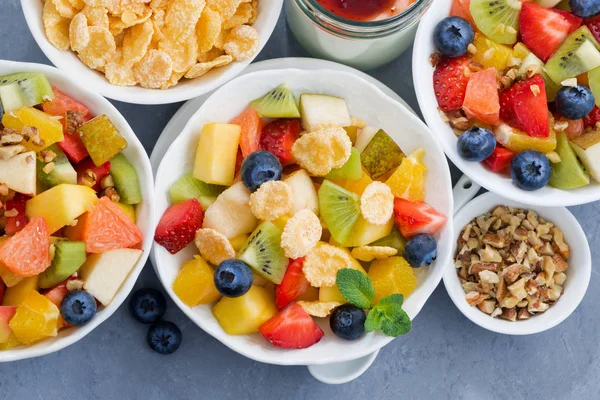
(517, 270)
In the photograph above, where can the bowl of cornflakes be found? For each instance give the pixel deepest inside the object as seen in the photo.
(151, 52)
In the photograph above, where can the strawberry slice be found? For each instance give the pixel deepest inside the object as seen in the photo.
(524, 106)
(572, 19)
(594, 26)
(15, 223)
(293, 285)
(542, 29)
(100, 171)
(416, 217)
(278, 137)
(252, 125)
(500, 159)
(450, 82)
(291, 328)
(178, 225)
(592, 118)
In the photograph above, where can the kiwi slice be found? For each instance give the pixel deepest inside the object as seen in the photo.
(187, 187)
(339, 208)
(263, 253)
(63, 171)
(394, 239)
(497, 19)
(24, 89)
(126, 180)
(576, 55)
(69, 256)
(277, 103)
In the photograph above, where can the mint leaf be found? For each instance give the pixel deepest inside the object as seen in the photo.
(398, 324)
(373, 321)
(356, 287)
(393, 300)
(390, 317)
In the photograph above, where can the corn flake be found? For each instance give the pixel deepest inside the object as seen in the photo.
(254, 12)
(301, 234)
(208, 29)
(377, 203)
(213, 246)
(322, 264)
(226, 8)
(154, 70)
(181, 18)
(242, 16)
(272, 200)
(96, 16)
(322, 150)
(100, 49)
(182, 53)
(173, 80)
(64, 8)
(136, 42)
(359, 123)
(210, 55)
(242, 42)
(119, 72)
(56, 27)
(77, 4)
(202, 68)
(79, 33)
(319, 309)
(370, 253)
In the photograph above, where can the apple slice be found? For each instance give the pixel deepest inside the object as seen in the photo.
(319, 109)
(19, 173)
(587, 147)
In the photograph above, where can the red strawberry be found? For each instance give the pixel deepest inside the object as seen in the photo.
(450, 82)
(572, 19)
(594, 26)
(542, 29)
(523, 106)
(500, 159)
(291, 328)
(293, 285)
(100, 171)
(592, 118)
(16, 223)
(178, 225)
(416, 217)
(279, 136)
(73, 147)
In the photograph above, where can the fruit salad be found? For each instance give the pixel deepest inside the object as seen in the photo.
(300, 211)
(68, 198)
(519, 82)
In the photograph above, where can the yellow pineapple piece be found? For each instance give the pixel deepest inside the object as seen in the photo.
(50, 129)
(17, 294)
(491, 54)
(245, 314)
(36, 318)
(238, 242)
(392, 276)
(61, 205)
(129, 210)
(195, 283)
(364, 232)
(102, 139)
(520, 51)
(11, 343)
(355, 185)
(216, 153)
(518, 141)
(408, 181)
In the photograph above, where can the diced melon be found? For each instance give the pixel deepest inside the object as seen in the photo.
(216, 153)
(61, 205)
(15, 295)
(49, 129)
(104, 273)
(19, 173)
(230, 214)
(245, 314)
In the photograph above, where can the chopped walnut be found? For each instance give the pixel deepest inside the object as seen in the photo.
(32, 135)
(107, 182)
(89, 178)
(47, 156)
(112, 194)
(75, 284)
(73, 121)
(474, 298)
(509, 314)
(48, 167)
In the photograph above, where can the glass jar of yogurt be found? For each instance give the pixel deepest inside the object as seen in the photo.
(361, 33)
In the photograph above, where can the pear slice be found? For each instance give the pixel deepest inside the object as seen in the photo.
(568, 173)
(587, 147)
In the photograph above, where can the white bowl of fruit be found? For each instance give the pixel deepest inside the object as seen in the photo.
(512, 91)
(74, 179)
(274, 211)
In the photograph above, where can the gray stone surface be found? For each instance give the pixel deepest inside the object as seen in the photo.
(444, 357)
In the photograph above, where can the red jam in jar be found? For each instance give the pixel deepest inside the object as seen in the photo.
(365, 10)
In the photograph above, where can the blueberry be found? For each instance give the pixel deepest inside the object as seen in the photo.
(574, 102)
(147, 305)
(530, 170)
(78, 307)
(476, 144)
(348, 321)
(260, 167)
(585, 8)
(420, 250)
(452, 36)
(233, 278)
(164, 337)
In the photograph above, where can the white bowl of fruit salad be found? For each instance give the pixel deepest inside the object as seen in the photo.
(273, 211)
(74, 179)
(510, 89)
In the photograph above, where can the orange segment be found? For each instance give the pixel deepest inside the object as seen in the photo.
(36, 318)
(251, 124)
(27, 252)
(518, 141)
(491, 54)
(481, 98)
(109, 228)
(408, 181)
(49, 128)
(392, 276)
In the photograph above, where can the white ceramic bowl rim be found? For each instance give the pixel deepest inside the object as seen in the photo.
(494, 182)
(138, 156)
(243, 89)
(578, 274)
(68, 61)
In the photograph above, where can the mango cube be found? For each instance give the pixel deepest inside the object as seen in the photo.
(17, 294)
(245, 314)
(102, 139)
(49, 129)
(36, 318)
(195, 283)
(217, 153)
(61, 205)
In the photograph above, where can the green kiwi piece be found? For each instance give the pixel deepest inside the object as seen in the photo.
(568, 173)
(576, 55)
(68, 257)
(339, 208)
(24, 89)
(263, 253)
(126, 180)
(352, 169)
(497, 19)
(394, 239)
(187, 187)
(277, 103)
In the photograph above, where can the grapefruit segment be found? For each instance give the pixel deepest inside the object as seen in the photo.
(251, 124)
(107, 227)
(481, 99)
(27, 252)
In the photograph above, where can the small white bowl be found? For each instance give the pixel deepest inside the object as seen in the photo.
(67, 61)
(365, 101)
(494, 182)
(578, 273)
(145, 211)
